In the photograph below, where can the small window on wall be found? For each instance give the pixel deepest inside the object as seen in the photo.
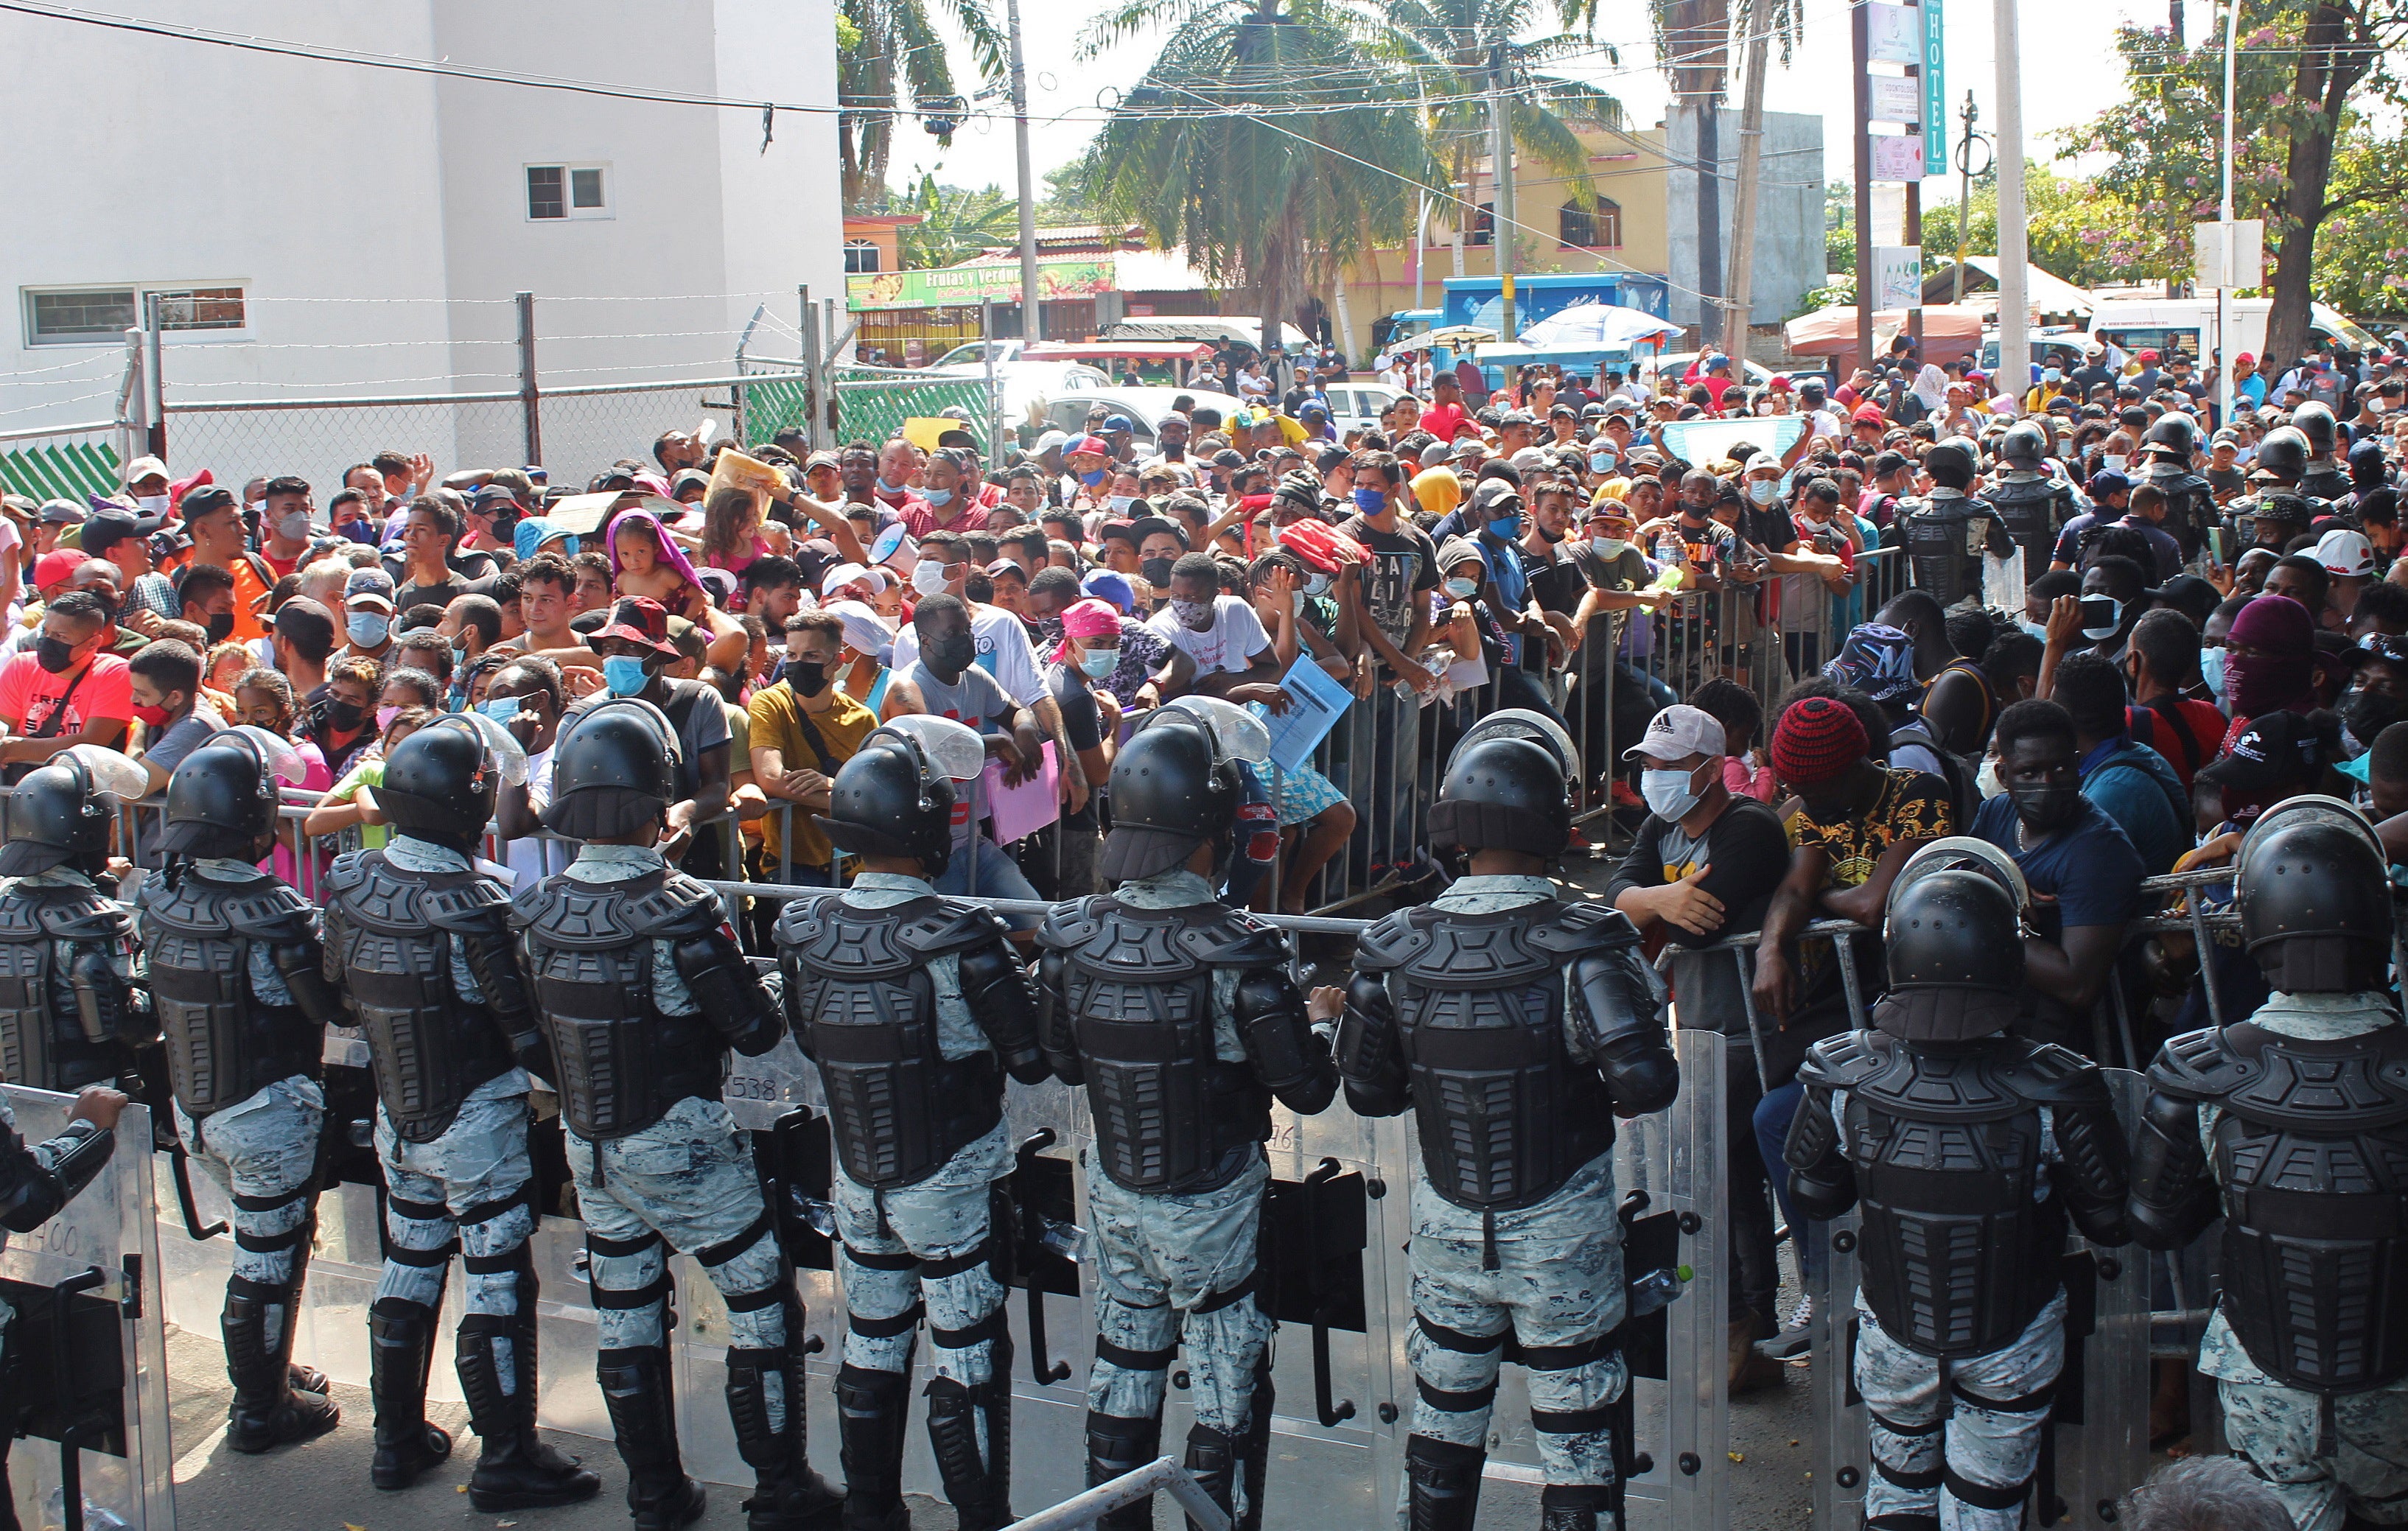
(100, 316)
(568, 190)
(1483, 225)
(1590, 228)
(860, 257)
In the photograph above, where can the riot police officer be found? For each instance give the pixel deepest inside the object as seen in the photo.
(2170, 447)
(419, 940)
(640, 991)
(1177, 1014)
(2274, 512)
(1965, 1150)
(915, 1007)
(2322, 476)
(2031, 505)
(2292, 1125)
(37, 1181)
(1946, 531)
(1518, 1025)
(235, 969)
(69, 1012)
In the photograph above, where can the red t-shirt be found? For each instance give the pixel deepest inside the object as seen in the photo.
(1441, 419)
(29, 693)
(2205, 725)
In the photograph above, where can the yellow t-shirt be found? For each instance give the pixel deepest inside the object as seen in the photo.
(777, 716)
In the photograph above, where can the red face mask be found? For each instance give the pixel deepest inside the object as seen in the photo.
(150, 716)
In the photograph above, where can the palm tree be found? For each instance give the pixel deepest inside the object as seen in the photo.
(1465, 52)
(897, 67)
(955, 223)
(1274, 144)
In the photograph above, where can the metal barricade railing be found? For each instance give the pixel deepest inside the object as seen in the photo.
(1163, 1475)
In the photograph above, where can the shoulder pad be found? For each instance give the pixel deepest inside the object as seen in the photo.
(1846, 1061)
(188, 903)
(81, 914)
(563, 912)
(466, 902)
(20, 916)
(2049, 1075)
(267, 907)
(1070, 925)
(351, 869)
(1235, 940)
(681, 906)
(2200, 1066)
(1579, 926)
(1391, 942)
(952, 924)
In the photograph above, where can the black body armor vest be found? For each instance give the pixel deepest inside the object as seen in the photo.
(2031, 511)
(224, 1044)
(1171, 1115)
(2311, 1148)
(1943, 538)
(1506, 1114)
(622, 1063)
(1944, 1142)
(866, 1009)
(2326, 479)
(47, 1042)
(391, 930)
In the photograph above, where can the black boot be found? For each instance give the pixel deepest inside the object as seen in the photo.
(1573, 1506)
(636, 1387)
(267, 1410)
(1213, 1462)
(1255, 1454)
(1116, 1445)
(401, 1345)
(517, 1469)
(787, 1495)
(979, 1487)
(871, 1408)
(1442, 1485)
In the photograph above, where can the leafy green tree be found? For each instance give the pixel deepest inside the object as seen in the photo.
(894, 66)
(955, 223)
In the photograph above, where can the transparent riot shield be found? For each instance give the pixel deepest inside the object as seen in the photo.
(86, 1354)
(2096, 1447)
(1670, 1174)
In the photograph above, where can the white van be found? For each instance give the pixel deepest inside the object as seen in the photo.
(2166, 325)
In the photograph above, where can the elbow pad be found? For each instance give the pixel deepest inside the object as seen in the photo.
(1617, 1015)
(104, 1001)
(1822, 1183)
(728, 992)
(32, 1191)
(493, 962)
(302, 963)
(792, 999)
(1056, 1029)
(2172, 1198)
(998, 991)
(1368, 1059)
(2091, 1171)
(1279, 1038)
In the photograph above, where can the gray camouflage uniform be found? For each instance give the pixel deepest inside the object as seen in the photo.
(75, 1064)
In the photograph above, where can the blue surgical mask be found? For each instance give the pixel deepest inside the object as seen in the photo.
(500, 709)
(1371, 501)
(624, 674)
(1669, 793)
(2211, 670)
(1507, 529)
(1091, 479)
(2035, 629)
(1099, 663)
(1463, 589)
(368, 628)
(1601, 462)
(938, 497)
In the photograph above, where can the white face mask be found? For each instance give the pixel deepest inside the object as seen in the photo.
(1119, 503)
(929, 576)
(2116, 461)
(1763, 491)
(151, 505)
(295, 527)
(1609, 547)
(1670, 795)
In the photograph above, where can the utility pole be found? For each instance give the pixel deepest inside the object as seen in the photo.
(1861, 41)
(2225, 276)
(1501, 226)
(1032, 308)
(1751, 159)
(530, 399)
(1965, 191)
(2014, 302)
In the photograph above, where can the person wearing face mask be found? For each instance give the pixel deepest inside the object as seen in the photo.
(164, 682)
(803, 728)
(67, 690)
(1089, 460)
(2132, 783)
(342, 721)
(471, 624)
(284, 525)
(1703, 867)
(635, 653)
(2377, 696)
(1233, 655)
(2161, 665)
(528, 698)
(204, 597)
(367, 617)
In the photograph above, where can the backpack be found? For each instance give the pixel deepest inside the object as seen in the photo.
(1964, 791)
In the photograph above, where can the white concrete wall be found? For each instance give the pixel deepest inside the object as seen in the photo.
(1789, 212)
(378, 219)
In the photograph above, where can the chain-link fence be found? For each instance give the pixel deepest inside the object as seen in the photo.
(871, 403)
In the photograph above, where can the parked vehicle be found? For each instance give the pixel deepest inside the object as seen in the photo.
(2188, 324)
(1141, 406)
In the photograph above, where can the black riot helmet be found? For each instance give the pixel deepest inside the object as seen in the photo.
(891, 799)
(1953, 938)
(1954, 462)
(438, 785)
(221, 800)
(613, 772)
(1508, 787)
(1174, 788)
(2314, 421)
(2023, 446)
(2173, 439)
(51, 818)
(2283, 456)
(2314, 898)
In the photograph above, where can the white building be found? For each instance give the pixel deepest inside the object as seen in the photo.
(320, 228)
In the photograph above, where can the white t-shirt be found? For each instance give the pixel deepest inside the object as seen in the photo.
(1228, 646)
(533, 858)
(1003, 652)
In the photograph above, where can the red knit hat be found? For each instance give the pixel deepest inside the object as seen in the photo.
(1814, 741)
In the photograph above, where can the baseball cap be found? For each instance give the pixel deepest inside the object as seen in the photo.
(200, 500)
(1048, 442)
(2347, 554)
(60, 513)
(56, 567)
(1680, 731)
(144, 467)
(2147, 356)
(369, 582)
(2392, 647)
(306, 622)
(639, 619)
(2271, 753)
(492, 496)
(1092, 446)
(1145, 526)
(1117, 423)
(1104, 585)
(1878, 660)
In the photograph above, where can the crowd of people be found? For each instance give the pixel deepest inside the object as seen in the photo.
(2071, 624)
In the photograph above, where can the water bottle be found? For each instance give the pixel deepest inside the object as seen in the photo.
(1670, 548)
(1654, 1289)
